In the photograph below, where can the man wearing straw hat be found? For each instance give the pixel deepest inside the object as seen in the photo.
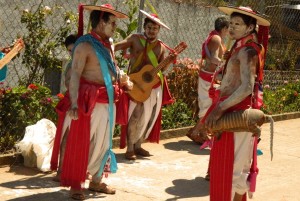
(145, 117)
(230, 166)
(88, 109)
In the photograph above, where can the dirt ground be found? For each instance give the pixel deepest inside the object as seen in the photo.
(175, 171)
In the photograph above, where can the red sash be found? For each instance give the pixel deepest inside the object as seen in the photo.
(207, 76)
(222, 157)
(77, 148)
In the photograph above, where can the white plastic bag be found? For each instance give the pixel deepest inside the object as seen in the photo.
(37, 144)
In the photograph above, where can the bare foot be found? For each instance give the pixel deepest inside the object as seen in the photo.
(197, 136)
(57, 177)
(238, 197)
(88, 176)
(207, 177)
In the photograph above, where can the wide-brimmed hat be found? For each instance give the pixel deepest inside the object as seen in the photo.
(154, 18)
(261, 20)
(106, 8)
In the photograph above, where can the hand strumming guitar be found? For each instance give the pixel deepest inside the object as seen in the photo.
(125, 81)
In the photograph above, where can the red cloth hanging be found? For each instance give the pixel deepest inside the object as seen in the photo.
(77, 148)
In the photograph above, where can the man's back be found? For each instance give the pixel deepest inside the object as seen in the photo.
(214, 52)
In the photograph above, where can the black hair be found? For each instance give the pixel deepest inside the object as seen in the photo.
(71, 39)
(248, 20)
(95, 17)
(147, 21)
(220, 23)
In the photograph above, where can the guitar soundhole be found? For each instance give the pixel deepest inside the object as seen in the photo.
(147, 77)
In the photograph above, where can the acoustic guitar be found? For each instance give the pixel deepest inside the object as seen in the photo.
(144, 80)
(18, 46)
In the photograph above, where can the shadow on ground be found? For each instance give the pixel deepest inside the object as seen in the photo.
(184, 188)
(37, 179)
(186, 145)
(54, 196)
(121, 159)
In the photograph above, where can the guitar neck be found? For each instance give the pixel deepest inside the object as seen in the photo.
(162, 64)
(178, 49)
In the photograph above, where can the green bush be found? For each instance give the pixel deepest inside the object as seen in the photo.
(23, 106)
(44, 42)
(283, 99)
(183, 83)
(177, 115)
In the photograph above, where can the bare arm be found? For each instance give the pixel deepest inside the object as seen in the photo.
(162, 57)
(214, 48)
(248, 61)
(78, 64)
(67, 77)
(124, 44)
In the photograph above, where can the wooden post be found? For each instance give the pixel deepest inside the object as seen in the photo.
(140, 19)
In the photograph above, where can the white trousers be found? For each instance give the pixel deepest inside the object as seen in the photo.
(99, 135)
(204, 101)
(143, 128)
(243, 154)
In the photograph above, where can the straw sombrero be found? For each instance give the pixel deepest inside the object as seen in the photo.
(106, 8)
(246, 11)
(155, 19)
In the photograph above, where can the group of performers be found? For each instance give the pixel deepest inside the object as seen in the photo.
(97, 99)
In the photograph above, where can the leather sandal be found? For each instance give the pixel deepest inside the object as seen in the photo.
(77, 194)
(142, 152)
(130, 155)
(101, 188)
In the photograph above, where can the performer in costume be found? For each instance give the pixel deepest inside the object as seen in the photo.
(88, 109)
(144, 119)
(232, 154)
(212, 52)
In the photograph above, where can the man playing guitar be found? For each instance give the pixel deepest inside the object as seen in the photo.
(144, 118)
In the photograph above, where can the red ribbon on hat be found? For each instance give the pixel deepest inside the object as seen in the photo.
(263, 37)
(154, 15)
(80, 20)
(247, 9)
(108, 6)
